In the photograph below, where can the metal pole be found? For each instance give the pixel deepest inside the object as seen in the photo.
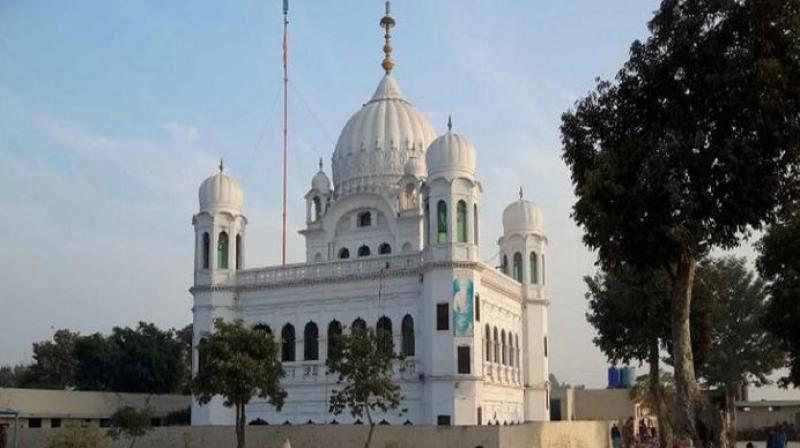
(285, 121)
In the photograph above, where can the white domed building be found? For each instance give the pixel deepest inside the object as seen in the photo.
(392, 242)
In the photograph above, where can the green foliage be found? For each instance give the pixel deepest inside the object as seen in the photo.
(741, 351)
(779, 265)
(363, 363)
(150, 360)
(695, 143)
(54, 361)
(130, 423)
(14, 376)
(144, 359)
(239, 362)
(79, 436)
(628, 308)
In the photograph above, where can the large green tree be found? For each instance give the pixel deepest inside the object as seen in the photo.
(149, 360)
(238, 362)
(694, 144)
(54, 363)
(742, 352)
(364, 363)
(779, 265)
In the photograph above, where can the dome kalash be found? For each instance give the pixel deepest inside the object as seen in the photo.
(221, 192)
(376, 142)
(522, 216)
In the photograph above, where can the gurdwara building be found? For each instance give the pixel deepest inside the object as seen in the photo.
(392, 243)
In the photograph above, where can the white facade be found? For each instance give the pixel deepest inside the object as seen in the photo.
(395, 237)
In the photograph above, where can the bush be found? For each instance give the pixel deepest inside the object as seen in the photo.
(79, 436)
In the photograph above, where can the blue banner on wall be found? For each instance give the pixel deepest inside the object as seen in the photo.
(463, 300)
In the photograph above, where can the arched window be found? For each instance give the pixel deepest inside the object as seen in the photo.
(344, 253)
(364, 219)
(503, 348)
(534, 262)
(407, 328)
(461, 221)
(206, 250)
(311, 342)
(511, 349)
(517, 266)
(441, 223)
(263, 327)
(359, 325)
(427, 224)
(545, 346)
(287, 339)
(222, 251)
(385, 249)
(384, 333)
(238, 251)
(544, 273)
(504, 264)
(363, 251)
(475, 224)
(334, 331)
(487, 334)
(516, 344)
(317, 208)
(496, 340)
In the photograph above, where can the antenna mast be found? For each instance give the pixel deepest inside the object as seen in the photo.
(285, 121)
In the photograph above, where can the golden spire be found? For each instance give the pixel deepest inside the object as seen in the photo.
(387, 22)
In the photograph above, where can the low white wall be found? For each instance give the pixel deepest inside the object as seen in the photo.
(529, 435)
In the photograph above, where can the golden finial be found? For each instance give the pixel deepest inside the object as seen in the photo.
(387, 22)
(520, 193)
(320, 163)
(221, 166)
(449, 123)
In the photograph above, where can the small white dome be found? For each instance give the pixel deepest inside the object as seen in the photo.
(320, 182)
(221, 192)
(522, 216)
(376, 142)
(414, 167)
(450, 153)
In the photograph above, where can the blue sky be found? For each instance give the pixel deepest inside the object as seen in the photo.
(113, 112)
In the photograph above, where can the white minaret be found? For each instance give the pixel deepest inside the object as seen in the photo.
(523, 252)
(451, 197)
(451, 338)
(219, 229)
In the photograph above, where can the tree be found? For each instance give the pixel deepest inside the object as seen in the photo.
(98, 363)
(779, 264)
(54, 361)
(742, 352)
(693, 145)
(364, 365)
(131, 423)
(151, 360)
(626, 307)
(238, 363)
(14, 376)
(79, 436)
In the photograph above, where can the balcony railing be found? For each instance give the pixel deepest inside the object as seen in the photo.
(303, 272)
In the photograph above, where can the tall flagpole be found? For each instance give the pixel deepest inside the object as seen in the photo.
(285, 121)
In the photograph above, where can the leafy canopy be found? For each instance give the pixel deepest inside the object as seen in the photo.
(779, 265)
(363, 361)
(697, 140)
(238, 363)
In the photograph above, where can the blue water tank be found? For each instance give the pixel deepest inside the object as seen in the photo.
(613, 377)
(627, 377)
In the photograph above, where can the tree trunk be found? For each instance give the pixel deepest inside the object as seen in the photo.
(728, 435)
(240, 419)
(665, 438)
(687, 392)
(371, 428)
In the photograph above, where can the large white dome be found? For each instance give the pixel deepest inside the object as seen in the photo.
(522, 216)
(221, 192)
(376, 142)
